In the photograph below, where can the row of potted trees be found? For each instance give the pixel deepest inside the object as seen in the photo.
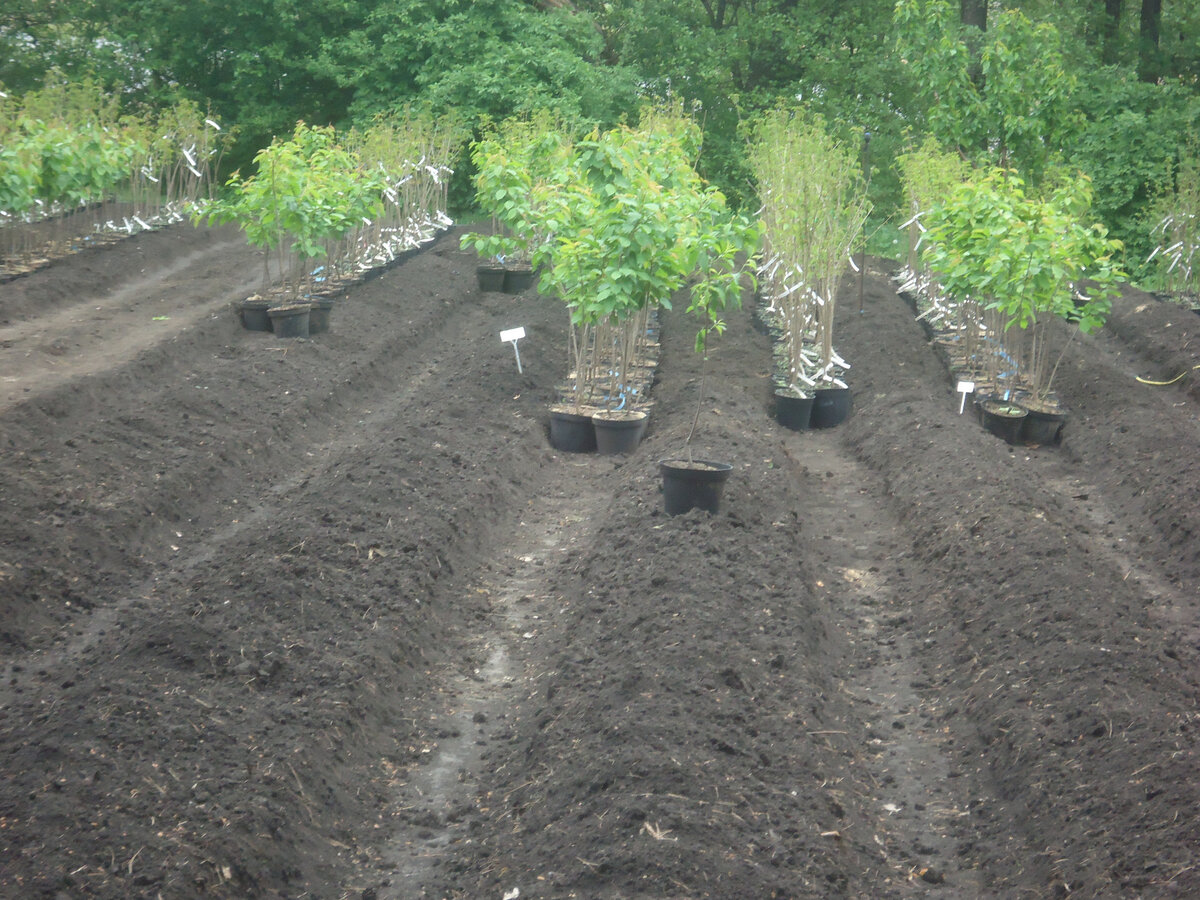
(1177, 233)
(813, 195)
(997, 261)
(327, 208)
(72, 167)
(616, 223)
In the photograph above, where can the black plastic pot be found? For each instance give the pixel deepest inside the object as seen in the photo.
(491, 278)
(831, 406)
(793, 412)
(318, 315)
(290, 321)
(692, 485)
(571, 432)
(619, 433)
(518, 279)
(1043, 428)
(1002, 419)
(253, 314)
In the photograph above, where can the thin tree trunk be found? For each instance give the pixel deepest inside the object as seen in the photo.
(974, 12)
(1112, 31)
(1149, 61)
(974, 15)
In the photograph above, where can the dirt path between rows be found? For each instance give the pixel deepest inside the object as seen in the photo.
(103, 329)
(499, 668)
(871, 583)
(329, 618)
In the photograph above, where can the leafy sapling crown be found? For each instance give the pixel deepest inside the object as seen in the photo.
(1026, 258)
(515, 161)
(725, 253)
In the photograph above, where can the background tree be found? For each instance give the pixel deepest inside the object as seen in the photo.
(1083, 81)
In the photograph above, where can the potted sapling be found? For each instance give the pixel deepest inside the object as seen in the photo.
(1067, 273)
(724, 249)
(652, 224)
(619, 213)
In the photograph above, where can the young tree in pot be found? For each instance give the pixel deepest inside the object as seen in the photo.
(568, 204)
(773, 156)
(724, 246)
(1068, 271)
(595, 263)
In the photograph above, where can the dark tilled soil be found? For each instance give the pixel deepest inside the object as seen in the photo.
(330, 619)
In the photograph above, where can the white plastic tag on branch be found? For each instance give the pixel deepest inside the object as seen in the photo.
(788, 291)
(511, 336)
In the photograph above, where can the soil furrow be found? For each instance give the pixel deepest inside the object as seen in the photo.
(1060, 671)
(1133, 439)
(323, 454)
(864, 567)
(266, 629)
(1164, 335)
(500, 664)
(150, 464)
(275, 625)
(677, 743)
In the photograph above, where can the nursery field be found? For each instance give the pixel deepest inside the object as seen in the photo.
(330, 618)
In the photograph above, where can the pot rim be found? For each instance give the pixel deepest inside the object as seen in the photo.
(619, 415)
(682, 465)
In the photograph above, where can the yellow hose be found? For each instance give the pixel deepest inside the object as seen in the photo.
(1165, 383)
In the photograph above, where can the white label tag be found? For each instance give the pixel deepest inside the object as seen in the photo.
(511, 337)
(964, 388)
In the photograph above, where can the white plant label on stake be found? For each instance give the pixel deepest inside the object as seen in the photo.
(511, 337)
(964, 388)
